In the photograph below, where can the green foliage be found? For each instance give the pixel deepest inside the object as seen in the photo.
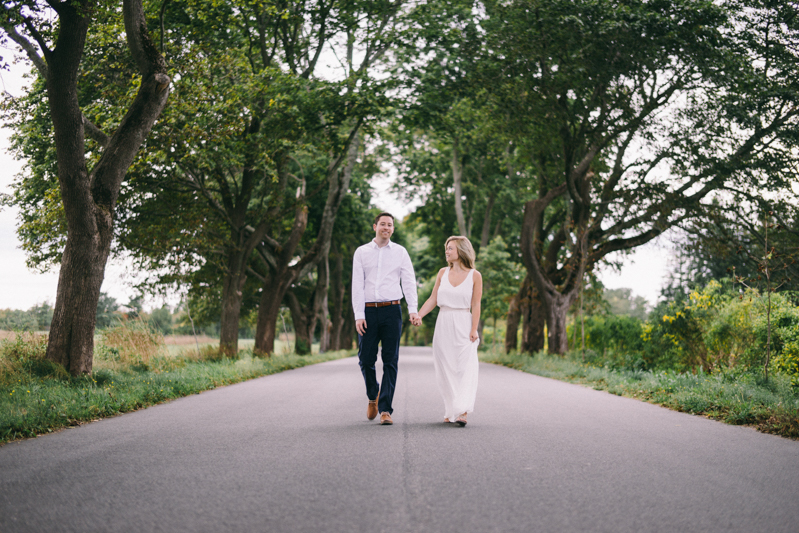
(615, 342)
(129, 343)
(301, 347)
(16, 320)
(161, 320)
(106, 311)
(787, 362)
(501, 278)
(622, 302)
(23, 356)
(716, 329)
(37, 318)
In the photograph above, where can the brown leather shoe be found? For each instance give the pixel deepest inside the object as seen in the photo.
(385, 419)
(371, 409)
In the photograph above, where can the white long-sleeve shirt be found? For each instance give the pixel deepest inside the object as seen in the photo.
(376, 276)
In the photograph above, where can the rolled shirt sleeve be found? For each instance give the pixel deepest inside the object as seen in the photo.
(408, 280)
(358, 299)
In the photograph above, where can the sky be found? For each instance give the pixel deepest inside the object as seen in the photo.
(643, 271)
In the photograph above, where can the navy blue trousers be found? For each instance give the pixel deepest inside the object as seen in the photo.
(384, 327)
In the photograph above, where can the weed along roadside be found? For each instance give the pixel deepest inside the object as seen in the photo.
(38, 397)
(734, 398)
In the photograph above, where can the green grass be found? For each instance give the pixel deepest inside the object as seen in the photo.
(37, 397)
(741, 399)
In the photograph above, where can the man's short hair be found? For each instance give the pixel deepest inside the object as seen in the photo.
(384, 214)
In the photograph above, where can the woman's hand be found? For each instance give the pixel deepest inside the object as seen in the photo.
(473, 335)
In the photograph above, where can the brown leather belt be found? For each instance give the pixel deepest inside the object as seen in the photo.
(382, 304)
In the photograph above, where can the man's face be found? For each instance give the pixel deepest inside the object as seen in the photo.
(384, 228)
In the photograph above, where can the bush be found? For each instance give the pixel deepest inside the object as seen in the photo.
(161, 320)
(787, 362)
(618, 339)
(302, 347)
(24, 356)
(129, 344)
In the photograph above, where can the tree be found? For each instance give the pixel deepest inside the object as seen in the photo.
(253, 137)
(89, 196)
(43, 313)
(622, 302)
(106, 309)
(606, 96)
(371, 29)
(500, 279)
(161, 320)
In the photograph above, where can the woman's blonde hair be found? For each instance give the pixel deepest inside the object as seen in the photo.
(465, 250)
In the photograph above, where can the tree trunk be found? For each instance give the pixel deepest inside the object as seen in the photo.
(71, 340)
(302, 331)
(348, 333)
(533, 321)
(514, 318)
(337, 289)
(557, 309)
(272, 297)
(457, 176)
(485, 236)
(231, 304)
(318, 315)
(89, 199)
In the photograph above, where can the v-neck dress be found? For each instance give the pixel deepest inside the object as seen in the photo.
(454, 355)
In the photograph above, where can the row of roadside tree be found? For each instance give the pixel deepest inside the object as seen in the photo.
(229, 150)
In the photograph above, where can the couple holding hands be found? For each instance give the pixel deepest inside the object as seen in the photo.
(382, 274)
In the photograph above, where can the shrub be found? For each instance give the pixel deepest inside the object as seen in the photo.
(129, 344)
(615, 342)
(730, 335)
(24, 354)
(302, 347)
(787, 362)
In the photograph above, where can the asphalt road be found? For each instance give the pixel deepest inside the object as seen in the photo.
(294, 452)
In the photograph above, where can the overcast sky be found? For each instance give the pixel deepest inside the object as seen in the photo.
(21, 288)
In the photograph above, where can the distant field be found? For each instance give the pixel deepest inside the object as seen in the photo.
(179, 344)
(4, 335)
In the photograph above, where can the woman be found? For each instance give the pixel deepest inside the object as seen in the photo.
(458, 289)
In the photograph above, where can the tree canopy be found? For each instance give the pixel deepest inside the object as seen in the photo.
(554, 134)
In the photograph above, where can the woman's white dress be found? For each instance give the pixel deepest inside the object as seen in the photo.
(454, 355)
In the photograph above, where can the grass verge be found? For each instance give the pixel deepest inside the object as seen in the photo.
(740, 399)
(38, 397)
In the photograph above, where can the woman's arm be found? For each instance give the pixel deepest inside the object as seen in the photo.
(477, 294)
(431, 302)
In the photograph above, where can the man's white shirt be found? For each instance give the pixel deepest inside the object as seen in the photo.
(377, 274)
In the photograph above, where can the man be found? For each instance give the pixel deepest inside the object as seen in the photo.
(378, 268)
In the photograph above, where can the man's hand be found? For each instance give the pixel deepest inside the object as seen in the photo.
(415, 320)
(360, 326)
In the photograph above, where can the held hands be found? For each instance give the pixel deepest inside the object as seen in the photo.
(360, 325)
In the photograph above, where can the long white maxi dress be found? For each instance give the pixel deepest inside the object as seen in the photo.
(454, 355)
